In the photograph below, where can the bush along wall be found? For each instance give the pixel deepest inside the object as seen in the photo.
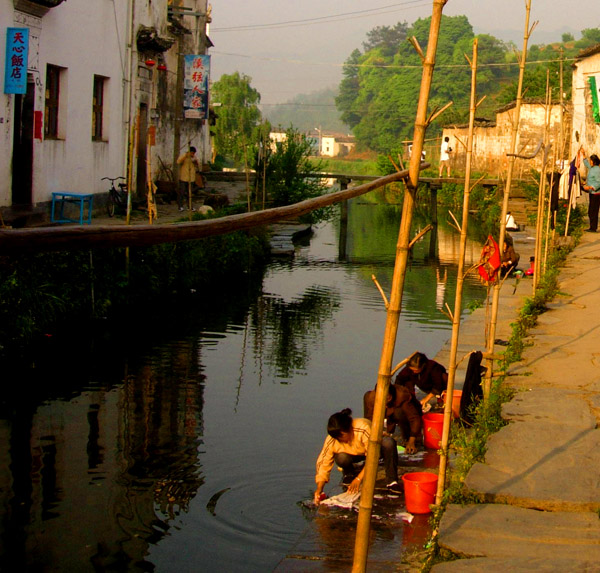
(41, 293)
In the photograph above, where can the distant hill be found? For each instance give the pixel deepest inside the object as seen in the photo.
(307, 112)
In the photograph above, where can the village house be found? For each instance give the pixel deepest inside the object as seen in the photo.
(336, 145)
(326, 145)
(98, 89)
(586, 101)
(492, 139)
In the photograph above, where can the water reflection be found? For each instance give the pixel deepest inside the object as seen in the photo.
(292, 328)
(185, 443)
(98, 477)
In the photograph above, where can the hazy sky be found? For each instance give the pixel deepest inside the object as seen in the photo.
(299, 46)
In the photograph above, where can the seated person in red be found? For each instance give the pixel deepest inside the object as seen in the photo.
(401, 410)
(427, 375)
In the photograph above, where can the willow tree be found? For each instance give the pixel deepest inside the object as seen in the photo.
(238, 116)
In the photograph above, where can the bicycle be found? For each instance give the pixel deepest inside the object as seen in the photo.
(116, 197)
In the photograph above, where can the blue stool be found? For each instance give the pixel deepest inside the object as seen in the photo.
(63, 197)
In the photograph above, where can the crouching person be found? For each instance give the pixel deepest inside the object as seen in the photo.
(401, 410)
(346, 445)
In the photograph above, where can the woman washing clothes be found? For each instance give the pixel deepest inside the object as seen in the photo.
(346, 445)
(427, 375)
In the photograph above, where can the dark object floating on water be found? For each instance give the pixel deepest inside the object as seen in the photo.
(212, 502)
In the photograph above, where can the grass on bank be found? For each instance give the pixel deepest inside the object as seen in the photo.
(469, 444)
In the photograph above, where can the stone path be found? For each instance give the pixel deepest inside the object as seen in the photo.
(541, 476)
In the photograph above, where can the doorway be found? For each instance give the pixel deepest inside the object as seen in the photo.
(141, 151)
(22, 160)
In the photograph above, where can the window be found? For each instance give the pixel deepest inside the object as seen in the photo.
(52, 97)
(98, 108)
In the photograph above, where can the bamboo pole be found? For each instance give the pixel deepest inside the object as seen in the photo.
(459, 284)
(151, 205)
(539, 227)
(509, 176)
(37, 239)
(549, 239)
(361, 545)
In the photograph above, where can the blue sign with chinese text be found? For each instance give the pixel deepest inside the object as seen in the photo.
(15, 69)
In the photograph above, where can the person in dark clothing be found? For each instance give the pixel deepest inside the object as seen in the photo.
(472, 391)
(401, 409)
(510, 257)
(427, 375)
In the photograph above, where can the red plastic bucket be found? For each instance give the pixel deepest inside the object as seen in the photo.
(419, 491)
(456, 396)
(433, 425)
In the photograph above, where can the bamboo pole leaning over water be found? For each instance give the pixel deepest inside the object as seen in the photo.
(509, 176)
(40, 239)
(459, 283)
(361, 546)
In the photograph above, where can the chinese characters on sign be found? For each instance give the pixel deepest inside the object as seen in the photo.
(195, 87)
(15, 69)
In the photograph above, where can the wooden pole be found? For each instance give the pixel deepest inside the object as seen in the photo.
(459, 285)
(539, 227)
(151, 205)
(509, 176)
(133, 142)
(38, 239)
(361, 546)
(247, 174)
(264, 177)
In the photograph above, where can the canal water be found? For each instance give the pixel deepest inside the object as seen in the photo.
(188, 444)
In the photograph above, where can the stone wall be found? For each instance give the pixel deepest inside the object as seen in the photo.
(492, 140)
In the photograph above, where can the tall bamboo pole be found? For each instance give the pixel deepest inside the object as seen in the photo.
(549, 237)
(361, 546)
(459, 283)
(542, 191)
(509, 176)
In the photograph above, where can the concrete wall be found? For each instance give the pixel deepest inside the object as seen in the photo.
(492, 143)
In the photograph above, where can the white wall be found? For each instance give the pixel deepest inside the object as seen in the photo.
(87, 39)
(583, 121)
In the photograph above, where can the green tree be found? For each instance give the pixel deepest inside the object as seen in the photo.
(389, 39)
(349, 91)
(238, 115)
(589, 37)
(285, 180)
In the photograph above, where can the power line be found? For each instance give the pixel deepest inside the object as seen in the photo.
(387, 66)
(326, 19)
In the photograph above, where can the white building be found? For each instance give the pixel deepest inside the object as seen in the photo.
(335, 145)
(103, 96)
(586, 99)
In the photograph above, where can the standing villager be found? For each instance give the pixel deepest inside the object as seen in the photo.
(346, 445)
(445, 152)
(188, 165)
(427, 375)
(592, 186)
(400, 410)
